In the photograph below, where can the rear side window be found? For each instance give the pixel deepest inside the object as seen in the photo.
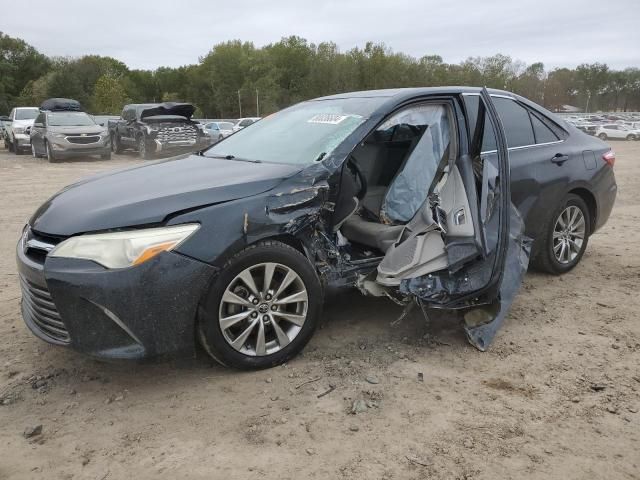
(543, 133)
(516, 122)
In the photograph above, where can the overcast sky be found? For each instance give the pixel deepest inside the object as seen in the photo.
(149, 34)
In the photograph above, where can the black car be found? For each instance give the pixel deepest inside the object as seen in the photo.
(426, 195)
(157, 128)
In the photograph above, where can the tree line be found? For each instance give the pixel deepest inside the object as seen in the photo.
(237, 75)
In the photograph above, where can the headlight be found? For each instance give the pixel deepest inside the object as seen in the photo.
(18, 130)
(58, 135)
(124, 249)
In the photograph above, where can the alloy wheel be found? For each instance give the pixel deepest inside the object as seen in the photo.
(263, 309)
(568, 234)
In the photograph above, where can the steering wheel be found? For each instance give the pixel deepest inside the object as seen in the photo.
(352, 163)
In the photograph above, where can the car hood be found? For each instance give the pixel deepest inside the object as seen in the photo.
(169, 108)
(87, 129)
(23, 123)
(148, 194)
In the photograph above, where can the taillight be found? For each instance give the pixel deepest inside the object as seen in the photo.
(609, 157)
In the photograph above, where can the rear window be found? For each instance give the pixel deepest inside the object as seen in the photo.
(543, 133)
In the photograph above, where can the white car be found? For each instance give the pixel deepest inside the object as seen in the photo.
(218, 130)
(612, 130)
(245, 122)
(17, 130)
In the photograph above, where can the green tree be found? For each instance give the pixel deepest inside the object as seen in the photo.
(109, 95)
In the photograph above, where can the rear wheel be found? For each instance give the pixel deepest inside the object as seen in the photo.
(602, 136)
(262, 309)
(564, 238)
(631, 137)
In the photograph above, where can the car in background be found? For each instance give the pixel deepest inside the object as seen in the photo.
(4, 121)
(427, 195)
(218, 130)
(245, 122)
(617, 131)
(17, 131)
(65, 134)
(154, 128)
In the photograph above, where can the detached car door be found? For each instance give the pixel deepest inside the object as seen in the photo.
(464, 248)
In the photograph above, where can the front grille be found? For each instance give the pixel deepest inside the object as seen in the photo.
(41, 310)
(83, 140)
(188, 133)
(37, 245)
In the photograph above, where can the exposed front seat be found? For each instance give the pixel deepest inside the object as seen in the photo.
(371, 234)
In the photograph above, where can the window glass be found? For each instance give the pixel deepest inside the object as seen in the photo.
(489, 136)
(515, 121)
(69, 119)
(27, 113)
(40, 118)
(543, 133)
(301, 134)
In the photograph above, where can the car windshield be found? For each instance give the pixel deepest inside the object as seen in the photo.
(27, 113)
(299, 134)
(69, 119)
(225, 125)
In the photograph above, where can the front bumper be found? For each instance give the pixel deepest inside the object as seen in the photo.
(132, 313)
(180, 145)
(22, 140)
(65, 149)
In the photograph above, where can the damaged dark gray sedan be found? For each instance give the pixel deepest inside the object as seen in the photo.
(427, 196)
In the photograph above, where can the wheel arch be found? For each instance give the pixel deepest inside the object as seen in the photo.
(590, 199)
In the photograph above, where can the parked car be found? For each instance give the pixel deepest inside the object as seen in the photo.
(153, 128)
(245, 122)
(588, 128)
(418, 195)
(65, 134)
(17, 131)
(103, 120)
(218, 130)
(4, 121)
(617, 131)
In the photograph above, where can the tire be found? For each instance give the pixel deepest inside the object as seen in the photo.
(9, 145)
(630, 138)
(106, 156)
(142, 148)
(546, 246)
(50, 155)
(256, 259)
(116, 146)
(16, 148)
(602, 136)
(34, 154)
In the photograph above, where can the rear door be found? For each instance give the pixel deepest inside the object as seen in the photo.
(465, 246)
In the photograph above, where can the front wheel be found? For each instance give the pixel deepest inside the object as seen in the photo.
(50, 155)
(262, 309)
(602, 136)
(143, 151)
(116, 146)
(564, 238)
(631, 137)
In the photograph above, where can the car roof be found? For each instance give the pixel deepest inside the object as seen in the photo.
(412, 92)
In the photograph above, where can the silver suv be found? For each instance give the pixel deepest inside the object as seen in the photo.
(58, 135)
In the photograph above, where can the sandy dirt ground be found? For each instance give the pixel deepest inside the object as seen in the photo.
(556, 396)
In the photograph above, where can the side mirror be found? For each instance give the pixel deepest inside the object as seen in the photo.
(39, 124)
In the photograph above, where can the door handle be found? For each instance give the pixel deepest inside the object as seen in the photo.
(559, 158)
